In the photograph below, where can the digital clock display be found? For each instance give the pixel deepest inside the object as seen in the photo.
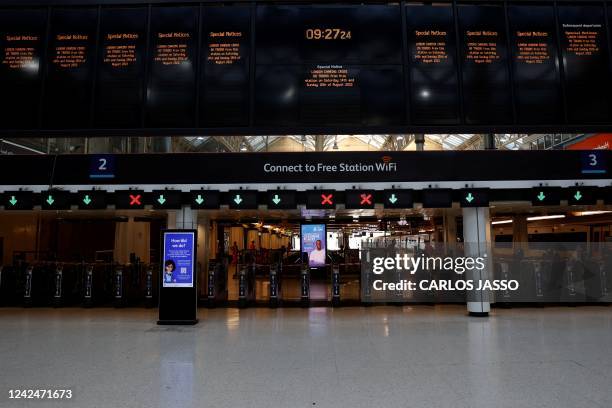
(327, 34)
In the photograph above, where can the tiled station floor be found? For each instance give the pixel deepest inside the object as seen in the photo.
(421, 356)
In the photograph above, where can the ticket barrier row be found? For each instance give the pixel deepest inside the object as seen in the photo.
(559, 280)
(70, 284)
(217, 292)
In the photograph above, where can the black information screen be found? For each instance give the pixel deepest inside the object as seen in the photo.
(70, 68)
(486, 84)
(226, 38)
(22, 38)
(434, 97)
(533, 40)
(437, 198)
(121, 55)
(329, 65)
(586, 63)
(171, 93)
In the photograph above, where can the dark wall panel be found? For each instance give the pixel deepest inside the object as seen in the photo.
(535, 64)
(120, 86)
(586, 63)
(171, 91)
(70, 67)
(22, 39)
(486, 83)
(226, 42)
(434, 94)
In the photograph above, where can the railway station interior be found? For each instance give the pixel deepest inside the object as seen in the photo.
(262, 203)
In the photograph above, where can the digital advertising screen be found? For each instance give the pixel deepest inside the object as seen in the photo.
(179, 259)
(313, 243)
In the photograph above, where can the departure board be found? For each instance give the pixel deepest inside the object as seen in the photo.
(434, 97)
(120, 85)
(486, 83)
(141, 67)
(70, 68)
(226, 37)
(329, 65)
(22, 38)
(534, 61)
(586, 63)
(171, 92)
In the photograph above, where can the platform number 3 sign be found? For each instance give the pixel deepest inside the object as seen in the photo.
(102, 167)
(593, 162)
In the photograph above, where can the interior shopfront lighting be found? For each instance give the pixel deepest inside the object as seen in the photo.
(499, 222)
(585, 213)
(545, 217)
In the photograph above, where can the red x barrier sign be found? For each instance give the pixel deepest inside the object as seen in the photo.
(135, 199)
(366, 199)
(327, 199)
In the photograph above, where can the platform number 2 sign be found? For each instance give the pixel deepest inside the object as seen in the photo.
(102, 166)
(593, 162)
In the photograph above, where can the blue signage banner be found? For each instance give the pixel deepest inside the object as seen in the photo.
(313, 243)
(179, 254)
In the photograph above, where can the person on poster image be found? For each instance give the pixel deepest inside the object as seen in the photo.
(317, 255)
(169, 268)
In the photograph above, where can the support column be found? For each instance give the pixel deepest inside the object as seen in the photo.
(419, 141)
(489, 141)
(520, 234)
(477, 241)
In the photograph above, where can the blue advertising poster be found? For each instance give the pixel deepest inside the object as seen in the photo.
(313, 243)
(178, 259)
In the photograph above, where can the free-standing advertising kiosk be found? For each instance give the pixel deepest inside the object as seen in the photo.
(178, 301)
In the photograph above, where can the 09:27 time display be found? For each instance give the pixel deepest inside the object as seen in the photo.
(327, 34)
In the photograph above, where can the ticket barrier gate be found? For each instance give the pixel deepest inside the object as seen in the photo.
(305, 286)
(246, 285)
(216, 291)
(335, 285)
(149, 288)
(58, 281)
(274, 284)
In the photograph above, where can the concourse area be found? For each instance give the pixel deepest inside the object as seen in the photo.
(414, 356)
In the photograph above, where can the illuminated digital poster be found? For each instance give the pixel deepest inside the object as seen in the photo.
(313, 244)
(178, 260)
